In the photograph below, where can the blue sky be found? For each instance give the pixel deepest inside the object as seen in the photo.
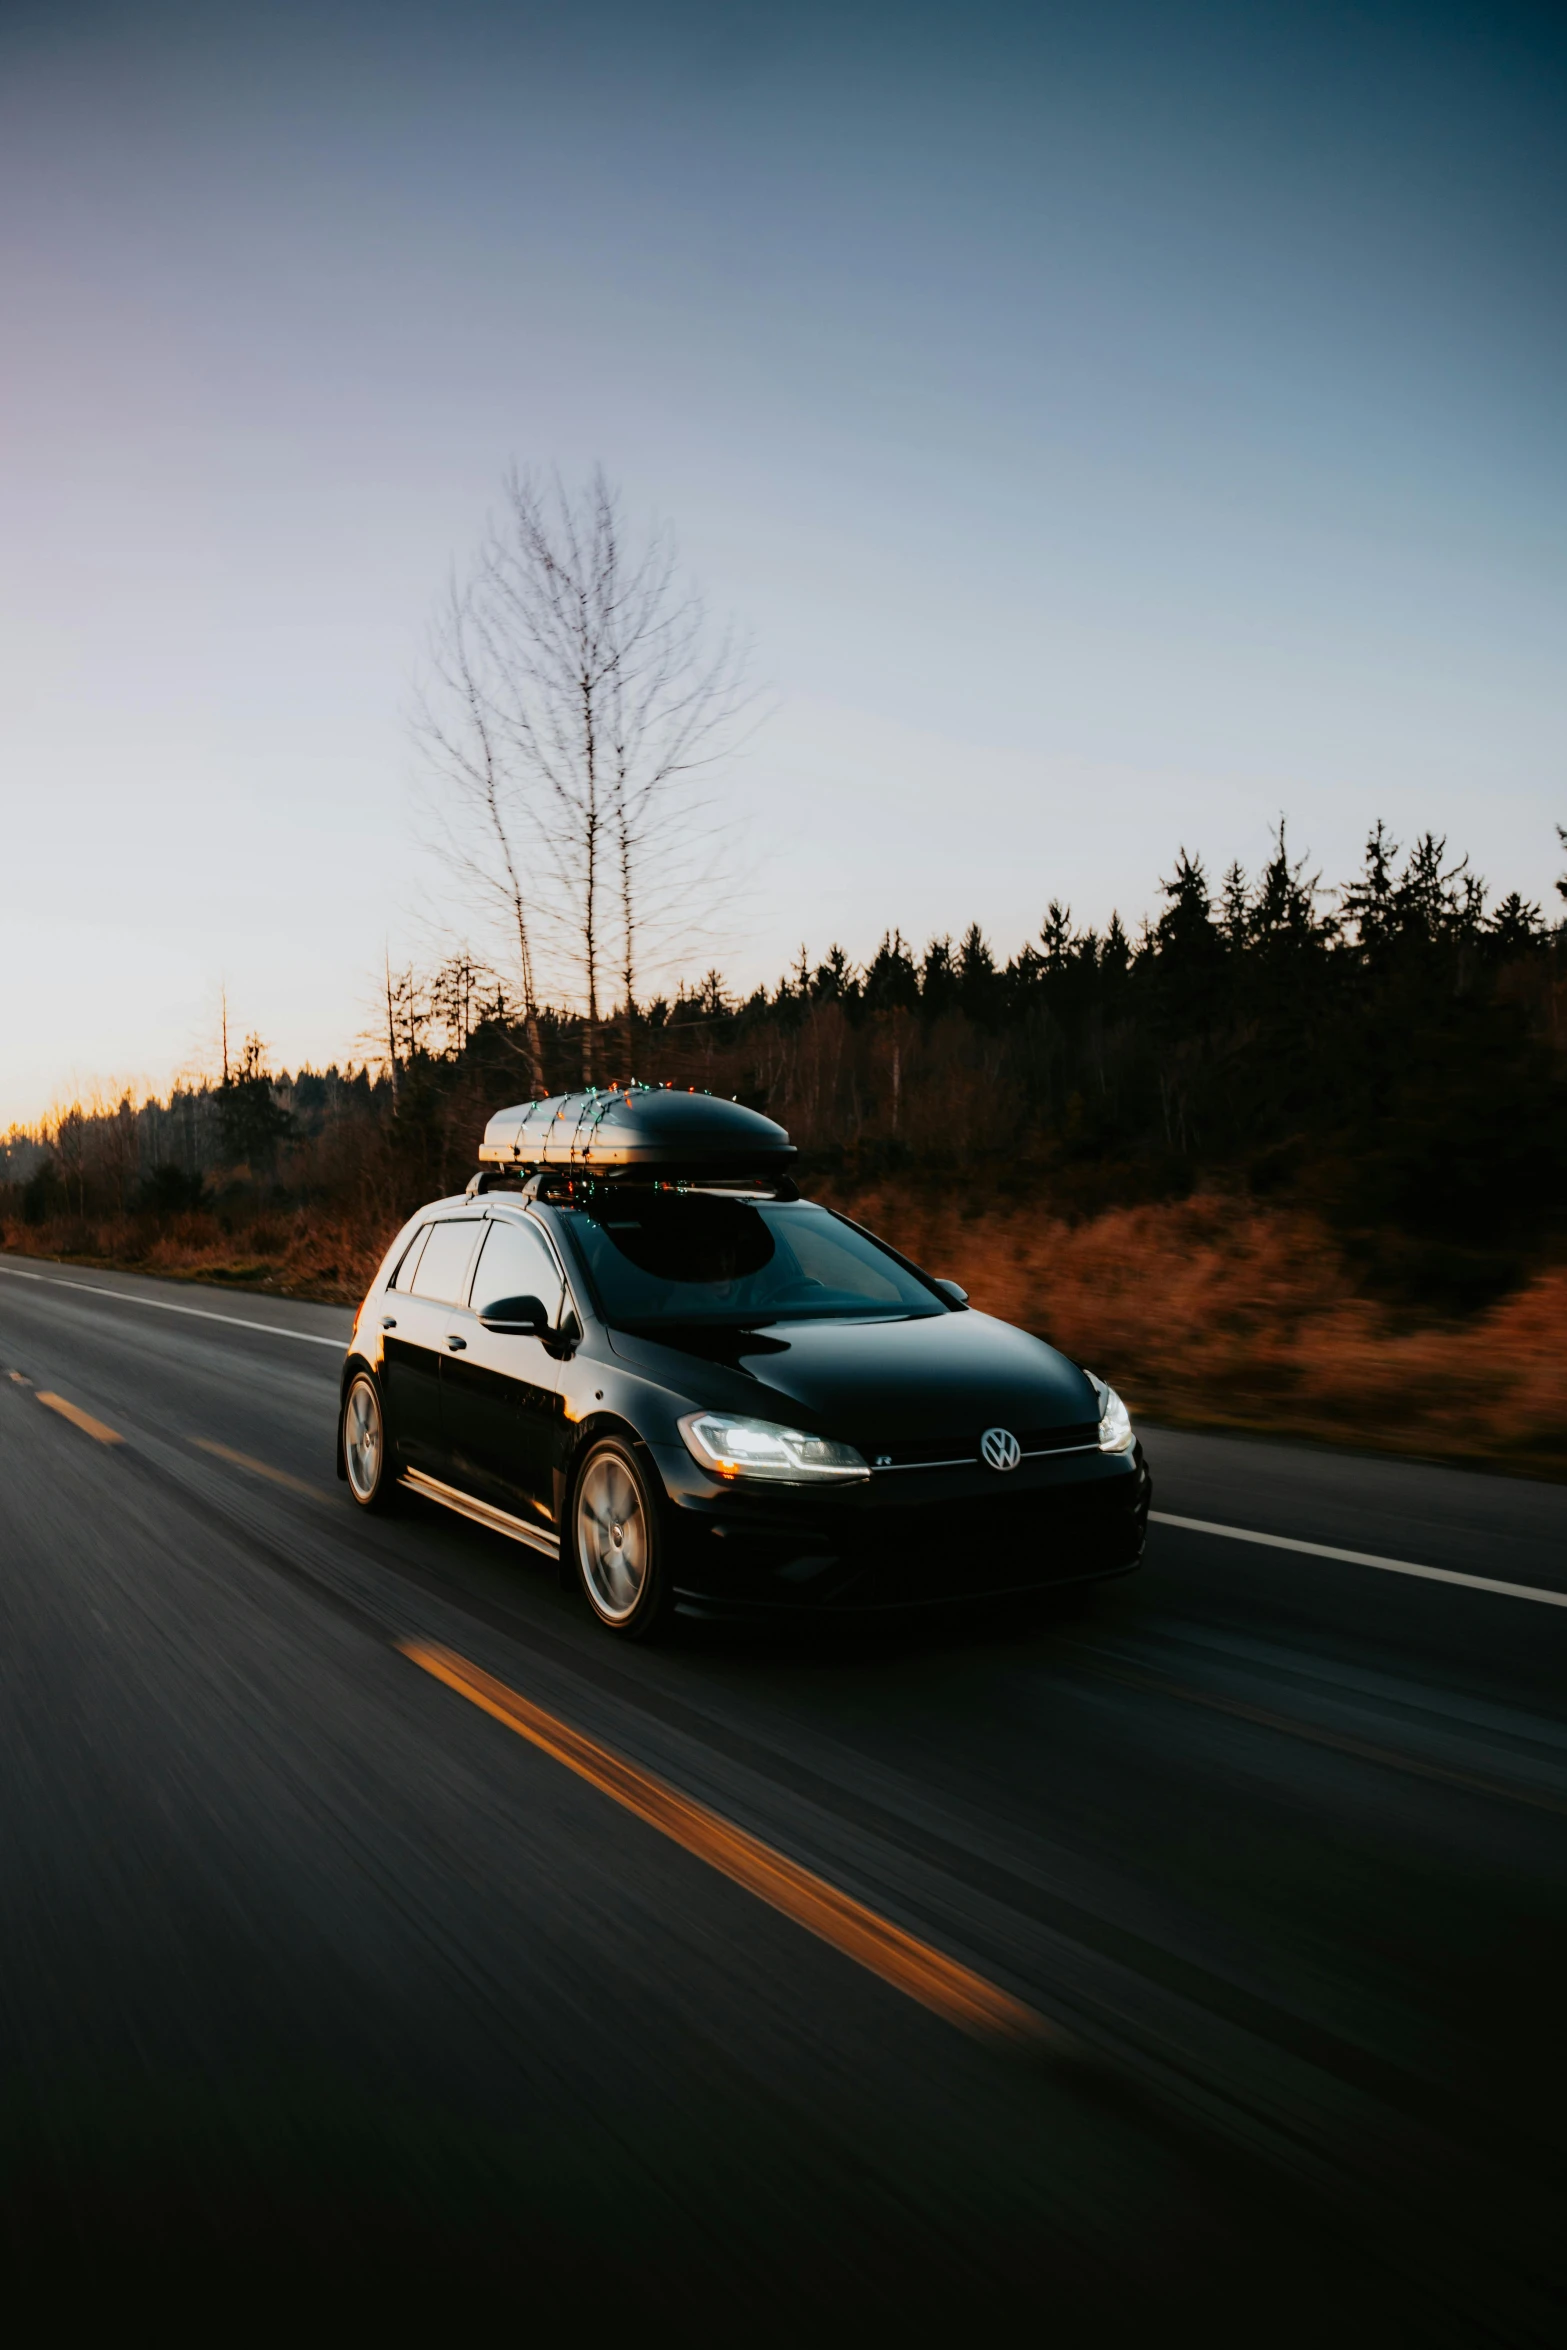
(1116, 426)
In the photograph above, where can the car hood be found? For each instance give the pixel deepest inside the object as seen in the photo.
(874, 1383)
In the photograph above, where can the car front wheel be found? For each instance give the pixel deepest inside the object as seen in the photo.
(617, 1541)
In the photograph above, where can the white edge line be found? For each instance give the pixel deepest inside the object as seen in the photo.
(165, 1305)
(1364, 1558)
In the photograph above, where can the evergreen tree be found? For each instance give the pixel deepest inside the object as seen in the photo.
(939, 978)
(1055, 935)
(892, 982)
(253, 1122)
(979, 982)
(1370, 902)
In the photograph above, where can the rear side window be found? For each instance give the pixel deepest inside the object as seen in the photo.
(403, 1278)
(442, 1270)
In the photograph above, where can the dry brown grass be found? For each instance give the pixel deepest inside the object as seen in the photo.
(294, 1252)
(1211, 1312)
(1216, 1312)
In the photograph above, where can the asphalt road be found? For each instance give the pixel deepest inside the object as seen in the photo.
(313, 1967)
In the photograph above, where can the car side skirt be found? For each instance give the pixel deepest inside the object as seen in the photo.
(483, 1513)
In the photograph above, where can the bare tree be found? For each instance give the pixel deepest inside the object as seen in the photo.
(456, 997)
(391, 1032)
(485, 820)
(578, 691)
(399, 1028)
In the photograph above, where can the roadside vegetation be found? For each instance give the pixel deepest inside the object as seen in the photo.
(1291, 1158)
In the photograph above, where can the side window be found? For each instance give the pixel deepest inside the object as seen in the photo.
(516, 1262)
(408, 1265)
(442, 1271)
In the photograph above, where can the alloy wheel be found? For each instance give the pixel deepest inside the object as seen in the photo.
(364, 1439)
(613, 1542)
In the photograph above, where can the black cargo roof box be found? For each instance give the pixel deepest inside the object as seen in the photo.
(650, 1129)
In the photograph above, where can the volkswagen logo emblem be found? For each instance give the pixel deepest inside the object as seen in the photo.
(1000, 1449)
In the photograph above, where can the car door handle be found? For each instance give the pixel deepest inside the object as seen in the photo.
(458, 1345)
(389, 1321)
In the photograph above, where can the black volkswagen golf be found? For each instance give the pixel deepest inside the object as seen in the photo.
(632, 1346)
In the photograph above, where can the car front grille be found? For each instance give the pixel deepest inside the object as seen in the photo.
(962, 1451)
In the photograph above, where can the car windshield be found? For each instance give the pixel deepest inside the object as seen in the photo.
(693, 1257)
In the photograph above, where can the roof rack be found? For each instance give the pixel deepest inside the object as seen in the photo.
(577, 1183)
(492, 1179)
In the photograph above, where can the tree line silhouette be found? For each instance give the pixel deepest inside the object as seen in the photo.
(1390, 1055)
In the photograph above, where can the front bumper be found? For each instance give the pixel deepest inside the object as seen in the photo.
(907, 1538)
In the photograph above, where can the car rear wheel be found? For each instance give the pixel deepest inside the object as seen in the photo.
(367, 1453)
(617, 1541)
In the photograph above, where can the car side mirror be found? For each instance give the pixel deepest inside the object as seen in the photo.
(950, 1291)
(517, 1317)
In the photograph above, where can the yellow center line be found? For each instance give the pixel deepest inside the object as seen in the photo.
(80, 1419)
(244, 1460)
(912, 1966)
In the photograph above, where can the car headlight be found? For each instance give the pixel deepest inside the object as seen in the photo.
(1115, 1421)
(759, 1448)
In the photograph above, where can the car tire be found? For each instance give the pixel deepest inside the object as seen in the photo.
(617, 1541)
(365, 1439)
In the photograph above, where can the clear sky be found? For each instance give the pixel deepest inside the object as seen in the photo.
(1117, 425)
